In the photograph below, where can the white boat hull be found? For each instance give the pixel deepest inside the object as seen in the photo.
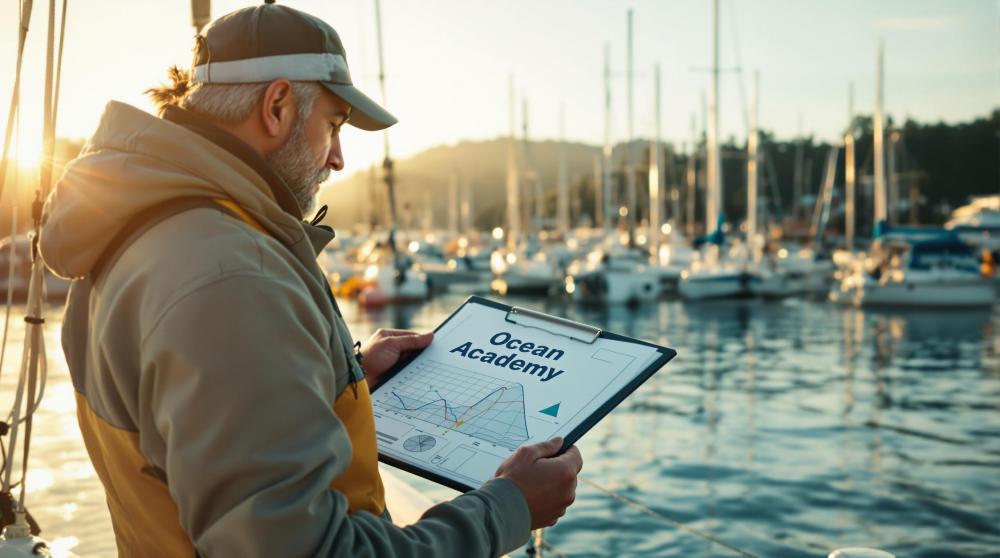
(617, 287)
(778, 285)
(709, 286)
(920, 294)
(386, 288)
(517, 284)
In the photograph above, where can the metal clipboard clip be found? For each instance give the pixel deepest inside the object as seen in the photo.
(553, 324)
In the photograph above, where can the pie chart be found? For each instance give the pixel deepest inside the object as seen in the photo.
(419, 443)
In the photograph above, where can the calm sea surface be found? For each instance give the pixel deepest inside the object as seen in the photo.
(781, 428)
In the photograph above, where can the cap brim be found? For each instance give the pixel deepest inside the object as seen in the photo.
(365, 113)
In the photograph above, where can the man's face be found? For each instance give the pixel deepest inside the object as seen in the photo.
(312, 150)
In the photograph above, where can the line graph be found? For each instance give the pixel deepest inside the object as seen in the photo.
(449, 397)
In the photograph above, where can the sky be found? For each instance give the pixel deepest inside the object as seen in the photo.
(449, 63)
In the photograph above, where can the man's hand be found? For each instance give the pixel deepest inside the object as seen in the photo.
(384, 349)
(547, 482)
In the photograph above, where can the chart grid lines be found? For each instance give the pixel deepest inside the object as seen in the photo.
(450, 397)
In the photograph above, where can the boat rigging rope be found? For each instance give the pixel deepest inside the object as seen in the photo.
(13, 119)
(34, 369)
(15, 98)
(51, 110)
(536, 544)
(13, 116)
(664, 519)
(11, 258)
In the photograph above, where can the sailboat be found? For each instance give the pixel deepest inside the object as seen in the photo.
(911, 267)
(774, 281)
(454, 260)
(803, 270)
(710, 275)
(390, 277)
(616, 272)
(521, 268)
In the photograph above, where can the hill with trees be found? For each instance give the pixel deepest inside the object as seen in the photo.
(940, 166)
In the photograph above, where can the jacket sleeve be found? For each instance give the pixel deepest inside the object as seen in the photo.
(238, 383)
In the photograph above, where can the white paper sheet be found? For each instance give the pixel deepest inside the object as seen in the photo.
(486, 386)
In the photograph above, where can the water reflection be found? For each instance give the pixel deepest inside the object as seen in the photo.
(396, 316)
(784, 428)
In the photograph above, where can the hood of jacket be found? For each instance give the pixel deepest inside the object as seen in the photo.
(135, 161)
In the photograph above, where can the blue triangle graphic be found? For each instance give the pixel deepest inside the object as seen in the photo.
(552, 411)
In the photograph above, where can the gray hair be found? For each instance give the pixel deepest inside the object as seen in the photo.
(227, 103)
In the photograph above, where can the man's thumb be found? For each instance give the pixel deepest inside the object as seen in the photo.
(549, 448)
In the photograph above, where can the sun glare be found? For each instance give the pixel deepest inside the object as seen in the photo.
(29, 159)
(26, 150)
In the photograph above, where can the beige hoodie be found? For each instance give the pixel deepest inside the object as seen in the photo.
(215, 349)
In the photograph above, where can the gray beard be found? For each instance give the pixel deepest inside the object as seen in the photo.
(293, 163)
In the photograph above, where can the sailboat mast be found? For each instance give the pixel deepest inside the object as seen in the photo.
(606, 177)
(598, 221)
(654, 173)
(453, 204)
(691, 177)
(713, 195)
(467, 221)
(531, 220)
(752, 161)
(892, 178)
(630, 185)
(562, 208)
(798, 173)
(387, 163)
(513, 184)
(472, 207)
(879, 133)
(849, 180)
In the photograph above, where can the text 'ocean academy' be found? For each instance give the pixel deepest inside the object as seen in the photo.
(510, 360)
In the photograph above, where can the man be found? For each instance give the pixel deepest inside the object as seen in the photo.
(218, 391)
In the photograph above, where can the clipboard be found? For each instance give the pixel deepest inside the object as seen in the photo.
(580, 337)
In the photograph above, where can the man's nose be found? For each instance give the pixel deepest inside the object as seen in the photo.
(335, 158)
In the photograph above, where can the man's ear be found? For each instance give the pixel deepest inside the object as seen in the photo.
(277, 110)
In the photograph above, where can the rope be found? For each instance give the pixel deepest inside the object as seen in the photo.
(51, 103)
(29, 415)
(34, 366)
(58, 88)
(11, 255)
(711, 539)
(664, 519)
(33, 362)
(13, 117)
(25, 18)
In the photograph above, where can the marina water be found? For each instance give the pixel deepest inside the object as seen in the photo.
(781, 428)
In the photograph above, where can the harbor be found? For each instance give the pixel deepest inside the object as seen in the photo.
(782, 429)
(815, 234)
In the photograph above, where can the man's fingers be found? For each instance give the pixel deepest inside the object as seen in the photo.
(387, 332)
(573, 458)
(411, 340)
(547, 448)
